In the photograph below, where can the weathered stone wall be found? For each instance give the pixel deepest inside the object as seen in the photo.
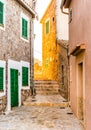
(49, 43)
(3, 103)
(37, 71)
(62, 67)
(55, 51)
(12, 46)
(24, 95)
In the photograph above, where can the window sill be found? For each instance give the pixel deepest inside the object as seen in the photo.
(2, 27)
(24, 39)
(2, 94)
(25, 88)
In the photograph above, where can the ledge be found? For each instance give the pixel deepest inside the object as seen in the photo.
(78, 49)
(27, 7)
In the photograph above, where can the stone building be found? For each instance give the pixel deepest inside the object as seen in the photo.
(80, 58)
(37, 69)
(54, 40)
(16, 51)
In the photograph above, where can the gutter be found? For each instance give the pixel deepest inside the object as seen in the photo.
(62, 7)
(27, 7)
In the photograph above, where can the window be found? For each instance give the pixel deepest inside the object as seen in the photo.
(24, 76)
(53, 19)
(47, 27)
(24, 28)
(47, 63)
(62, 74)
(1, 79)
(1, 13)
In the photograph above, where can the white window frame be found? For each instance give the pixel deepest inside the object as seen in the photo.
(49, 25)
(26, 18)
(3, 27)
(3, 65)
(25, 64)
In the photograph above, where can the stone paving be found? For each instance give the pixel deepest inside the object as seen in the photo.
(40, 118)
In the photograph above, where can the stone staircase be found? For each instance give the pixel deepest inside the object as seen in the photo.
(47, 100)
(46, 87)
(46, 95)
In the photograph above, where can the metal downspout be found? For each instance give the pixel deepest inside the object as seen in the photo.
(62, 6)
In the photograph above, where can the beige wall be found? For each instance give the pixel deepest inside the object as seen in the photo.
(80, 32)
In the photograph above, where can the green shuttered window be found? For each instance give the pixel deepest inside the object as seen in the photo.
(1, 12)
(1, 78)
(24, 76)
(47, 27)
(47, 63)
(24, 28)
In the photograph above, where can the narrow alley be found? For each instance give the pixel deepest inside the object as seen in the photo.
(45, 65)
(42, 116)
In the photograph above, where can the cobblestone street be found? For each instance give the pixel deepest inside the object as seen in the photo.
(40, 118)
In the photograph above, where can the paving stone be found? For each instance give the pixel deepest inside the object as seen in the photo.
(39, 118)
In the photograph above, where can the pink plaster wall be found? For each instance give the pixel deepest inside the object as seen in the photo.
(80, 32)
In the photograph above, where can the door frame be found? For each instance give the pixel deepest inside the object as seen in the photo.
(81, 59)
(14, 65)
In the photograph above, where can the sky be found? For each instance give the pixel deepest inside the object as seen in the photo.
(40, 9)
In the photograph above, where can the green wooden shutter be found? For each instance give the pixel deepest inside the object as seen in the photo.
(1, 12)
(24, 28)
(24, 76)
(47, 27)
(14, 87)
(1, 78)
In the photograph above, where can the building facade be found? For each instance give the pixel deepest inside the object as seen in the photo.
(53, 36)
(80, 50)
(37, 69)
(16, 47)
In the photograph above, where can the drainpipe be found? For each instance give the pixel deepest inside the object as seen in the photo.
(62, 7)
(32, 86)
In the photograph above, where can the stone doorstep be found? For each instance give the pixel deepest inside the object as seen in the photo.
(62, 104)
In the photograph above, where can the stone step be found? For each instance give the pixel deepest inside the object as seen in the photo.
(51, 100)
(46, 87)
(45, 82)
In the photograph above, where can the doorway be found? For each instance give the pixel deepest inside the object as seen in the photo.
(80, 91)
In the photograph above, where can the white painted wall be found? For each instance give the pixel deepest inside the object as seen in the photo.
(61, 22)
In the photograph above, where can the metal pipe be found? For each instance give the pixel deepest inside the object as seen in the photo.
(61, 7)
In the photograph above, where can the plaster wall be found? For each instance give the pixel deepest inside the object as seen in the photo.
(80, 32)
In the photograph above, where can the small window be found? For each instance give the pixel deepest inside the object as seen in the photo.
(47, 27)
(24, 28)
(1, 13)
(24, 76)
(47, 63)
(1, 79)
(53, 19)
